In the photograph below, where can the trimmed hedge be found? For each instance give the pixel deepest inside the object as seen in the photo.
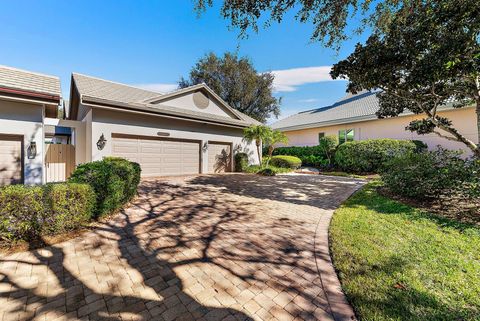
(317, 156)
(368, 156)
(286, 161)
(27, 212)
(241, 162)
(114, 180)
(69, 206)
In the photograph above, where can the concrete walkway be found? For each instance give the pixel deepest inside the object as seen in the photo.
(223, 247)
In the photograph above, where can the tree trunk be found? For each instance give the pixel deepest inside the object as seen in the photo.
(477, 109)
(258, 152)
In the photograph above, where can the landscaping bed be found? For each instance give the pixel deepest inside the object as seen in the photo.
(396, 262)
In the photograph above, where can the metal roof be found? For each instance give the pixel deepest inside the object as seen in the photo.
(361, 106)
(28, 82)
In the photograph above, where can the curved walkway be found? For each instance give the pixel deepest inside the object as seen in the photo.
(218, 247)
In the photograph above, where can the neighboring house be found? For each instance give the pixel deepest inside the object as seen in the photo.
(189, 131)
(26, 98)
(353, 118)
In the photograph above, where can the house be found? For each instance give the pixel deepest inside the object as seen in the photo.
(189, 131)
(353, 118)
(26, 99)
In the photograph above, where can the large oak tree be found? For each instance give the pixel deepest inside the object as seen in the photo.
(237, 81)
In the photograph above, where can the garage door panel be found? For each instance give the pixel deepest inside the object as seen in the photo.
(159, 157)
(10, 160)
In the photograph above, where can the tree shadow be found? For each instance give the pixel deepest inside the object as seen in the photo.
(179, 252)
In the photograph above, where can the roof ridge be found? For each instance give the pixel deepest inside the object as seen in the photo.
(30, 72)
(116, 83)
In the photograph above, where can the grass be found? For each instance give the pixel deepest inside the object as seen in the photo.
(396, 262)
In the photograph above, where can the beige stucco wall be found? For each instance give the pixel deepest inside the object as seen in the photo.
(78, 135)
(19, 118)
(463, 119)
(186, 102)
(107, 122)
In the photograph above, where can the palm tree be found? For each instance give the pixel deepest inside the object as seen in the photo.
(275, 137)
(257, 133)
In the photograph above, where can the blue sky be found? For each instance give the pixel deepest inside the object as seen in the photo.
(154, 43)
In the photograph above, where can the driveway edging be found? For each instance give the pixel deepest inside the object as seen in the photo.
(337, 301)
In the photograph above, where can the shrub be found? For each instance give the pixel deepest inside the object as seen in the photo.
(421, 147)
(321, 155)
(432, 174)
(254, 169)
(21, 212)
(68, 206)
(267, 172)
(114, 181)
(27, 212)
(286, 161)
(368, 156)
(241, 162)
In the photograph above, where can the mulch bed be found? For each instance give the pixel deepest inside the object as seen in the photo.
(453, 207)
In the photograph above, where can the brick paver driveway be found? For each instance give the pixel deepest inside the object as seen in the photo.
(221, 247)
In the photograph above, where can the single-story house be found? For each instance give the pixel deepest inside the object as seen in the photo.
(26, 99)
(353, 118)
(189, 131)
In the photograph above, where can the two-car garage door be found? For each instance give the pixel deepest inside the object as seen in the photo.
(159, 156)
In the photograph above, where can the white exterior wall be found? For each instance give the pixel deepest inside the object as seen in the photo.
(25, 119)
(107, 122)
(463, 119)
(78, 136)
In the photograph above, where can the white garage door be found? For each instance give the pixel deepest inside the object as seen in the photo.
(219, 157)
(159, 157)
(10, 160)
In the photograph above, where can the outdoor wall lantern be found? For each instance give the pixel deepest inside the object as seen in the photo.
(101, 142)
(205, 146)
(32, 150)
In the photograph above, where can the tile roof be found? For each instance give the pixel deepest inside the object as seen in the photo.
(363, 105)
(124, 96)
(27, 81)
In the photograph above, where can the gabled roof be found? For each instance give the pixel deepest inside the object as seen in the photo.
(93, 90)
(19, 82)
(361, 106)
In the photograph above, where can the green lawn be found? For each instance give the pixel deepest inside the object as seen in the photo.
(398, 263)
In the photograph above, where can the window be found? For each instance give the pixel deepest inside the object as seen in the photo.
(320, 136)
(346, 135)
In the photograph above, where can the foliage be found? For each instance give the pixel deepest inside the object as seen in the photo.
(321, 156)
(274, 137)
(328, 17)
(286, 161)
(259, 134)
(21, 212)
(267, 171)
(432, 175)
(28, 212)
(421, 147)
(426, 59)
(237, 82)
(254, 169)
(241, 162)
(114, 181)
(398, 263)
(368, 156)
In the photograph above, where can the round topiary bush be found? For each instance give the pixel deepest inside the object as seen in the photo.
(285, 161)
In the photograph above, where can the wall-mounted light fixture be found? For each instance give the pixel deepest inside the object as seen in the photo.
(205, 146)
(32, 150)
(101, 142)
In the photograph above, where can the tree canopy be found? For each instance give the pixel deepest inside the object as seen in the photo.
(237, 82)
(328, 17)
(424, 61)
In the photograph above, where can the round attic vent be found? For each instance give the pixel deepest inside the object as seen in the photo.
(200, 100)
